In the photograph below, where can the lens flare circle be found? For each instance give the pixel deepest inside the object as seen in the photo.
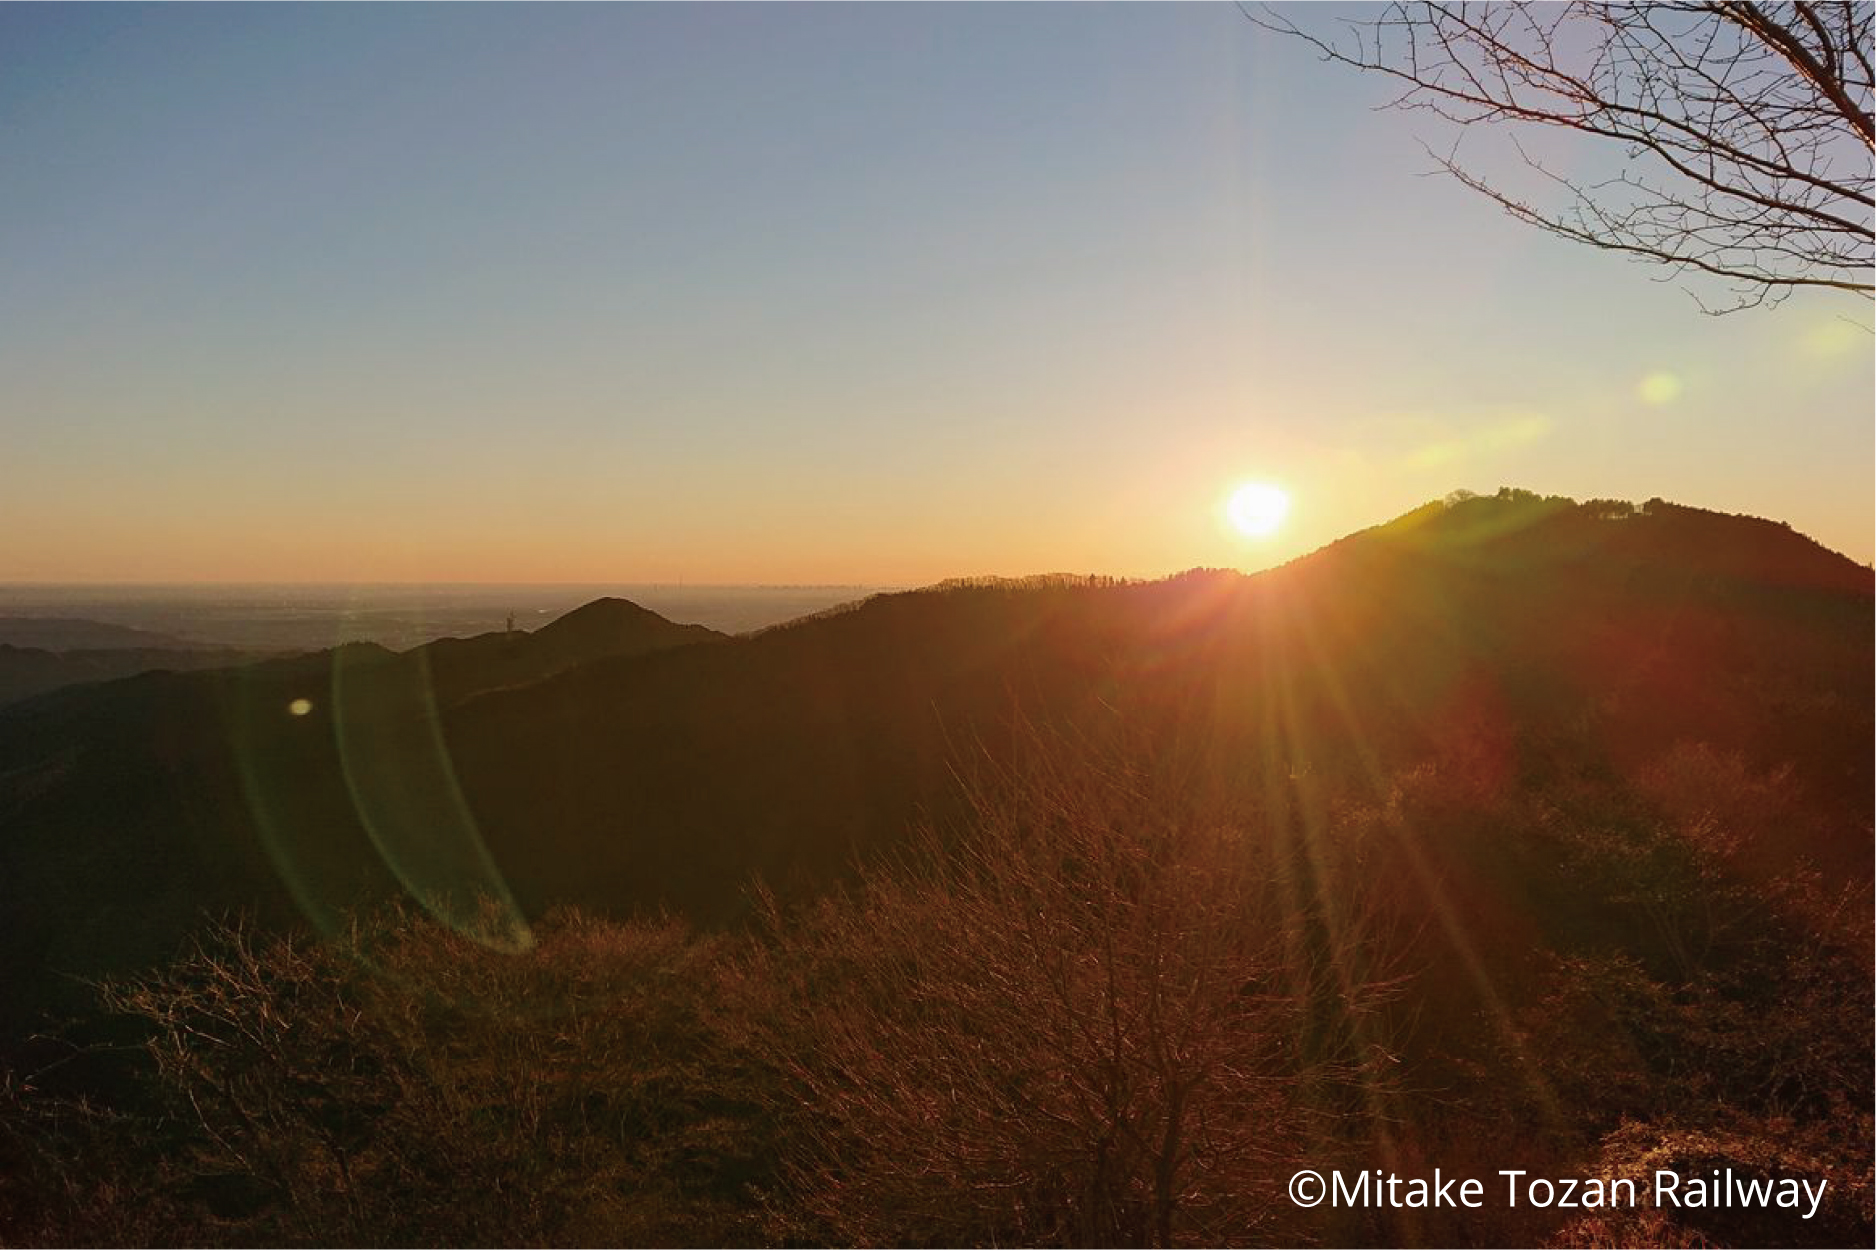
(1659, 388)
(1257, 509)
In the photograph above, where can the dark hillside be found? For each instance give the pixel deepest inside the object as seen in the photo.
(29, 671)
(603, 628)
(1537, 640)
(128, 809)
(67, 634)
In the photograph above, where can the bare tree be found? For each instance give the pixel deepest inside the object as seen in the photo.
(1093, 1021)
(1745, 129)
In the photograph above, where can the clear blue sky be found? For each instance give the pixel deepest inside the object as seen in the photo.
(772, 294)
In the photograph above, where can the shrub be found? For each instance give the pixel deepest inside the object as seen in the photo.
(1097, 1016)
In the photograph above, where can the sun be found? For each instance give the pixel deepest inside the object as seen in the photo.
(1257, 509)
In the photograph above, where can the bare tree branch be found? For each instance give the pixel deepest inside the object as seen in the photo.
(1744, 130)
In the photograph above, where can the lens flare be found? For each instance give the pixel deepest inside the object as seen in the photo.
(1659, 389)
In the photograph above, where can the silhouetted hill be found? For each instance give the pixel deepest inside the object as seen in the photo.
(604, 628)
(128, 808)
(39, 654)
(1514, 646)
(1720, 550)
(1562, 639)
(615, 627)
(65, 634)
(28, 671)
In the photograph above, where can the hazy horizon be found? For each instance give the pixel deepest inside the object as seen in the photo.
(280, 584)
(312, 616)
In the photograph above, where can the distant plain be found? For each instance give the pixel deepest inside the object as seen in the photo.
(293, 617)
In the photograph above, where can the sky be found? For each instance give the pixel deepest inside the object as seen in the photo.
(830, 294)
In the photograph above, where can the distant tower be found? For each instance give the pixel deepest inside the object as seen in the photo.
(511, 623)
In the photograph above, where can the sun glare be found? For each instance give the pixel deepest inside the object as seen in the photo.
(1257, 509)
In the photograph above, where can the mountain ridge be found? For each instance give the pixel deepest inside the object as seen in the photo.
(67, 634)
(1522, 638)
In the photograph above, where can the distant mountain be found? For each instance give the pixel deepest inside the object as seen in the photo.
(612, 628)
(64, 634)
(127, 807)
(40, 654)
(1560, 635)
(606, 627)
(28, 671)
(619, 761)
